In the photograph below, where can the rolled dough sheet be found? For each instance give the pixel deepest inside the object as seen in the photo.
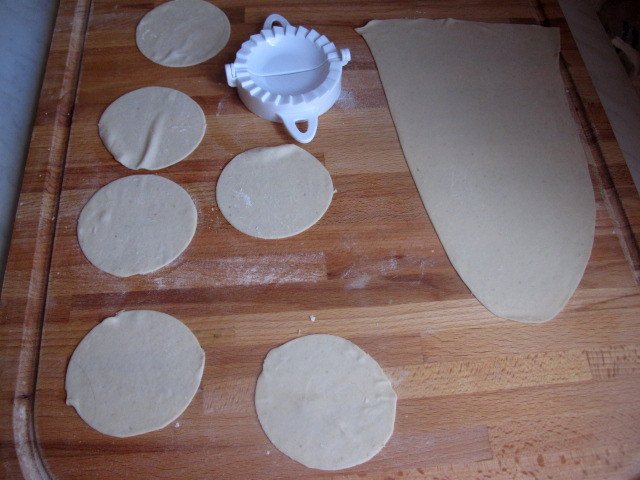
(324, 402)
(181, 33)
(134, 373)
(274, 192)
(485, 126)
(136, 224)
(152, 127)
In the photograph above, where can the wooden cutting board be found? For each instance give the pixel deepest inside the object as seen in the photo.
(479, 397)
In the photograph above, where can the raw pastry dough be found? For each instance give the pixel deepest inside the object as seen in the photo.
(152, 127)
(274, 192)
(136, 224)
(181, 33)
(324, 402)
(485, 127)
(134, 373)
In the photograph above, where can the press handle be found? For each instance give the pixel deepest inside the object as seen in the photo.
(294, 131)
(275, 18)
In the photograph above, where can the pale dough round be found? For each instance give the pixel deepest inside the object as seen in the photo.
(181, 33)
(136, 224)
(152, 127)
(134, 373)
(274, 192)
(324, 402)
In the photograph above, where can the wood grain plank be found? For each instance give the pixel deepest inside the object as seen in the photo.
(614, 361)
(590, 464)
(490, 375)
(548, 434)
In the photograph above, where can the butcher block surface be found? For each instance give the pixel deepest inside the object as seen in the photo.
(479, 397)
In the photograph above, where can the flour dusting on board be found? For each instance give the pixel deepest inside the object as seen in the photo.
(272, 269)
(346, 100)
(359, 275)
(252, 270)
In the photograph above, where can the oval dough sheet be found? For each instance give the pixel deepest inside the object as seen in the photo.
(495, 153)
(136, 224)
(182, 33)
(134, 373)
(324, 402)
(152, 127)
(274, 192)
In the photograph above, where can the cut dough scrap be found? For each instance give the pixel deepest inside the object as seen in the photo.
(152, 127)
(274, 192)
(324, 402)
(134, 373)
(181, 33)
(485, 127)
(136, 224)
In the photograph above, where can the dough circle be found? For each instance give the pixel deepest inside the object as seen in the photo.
(324, 402)
(152, 127)
(136, 225)
(181, 33)
(134, 373)
(274, 192)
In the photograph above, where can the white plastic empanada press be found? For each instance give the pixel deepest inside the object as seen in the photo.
(288, 74)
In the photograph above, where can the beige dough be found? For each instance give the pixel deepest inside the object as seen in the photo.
(134, 373)
(324, 402)
(485, 127)
(136, 224)
(274, 192)
(181, 33)
(152, 127)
